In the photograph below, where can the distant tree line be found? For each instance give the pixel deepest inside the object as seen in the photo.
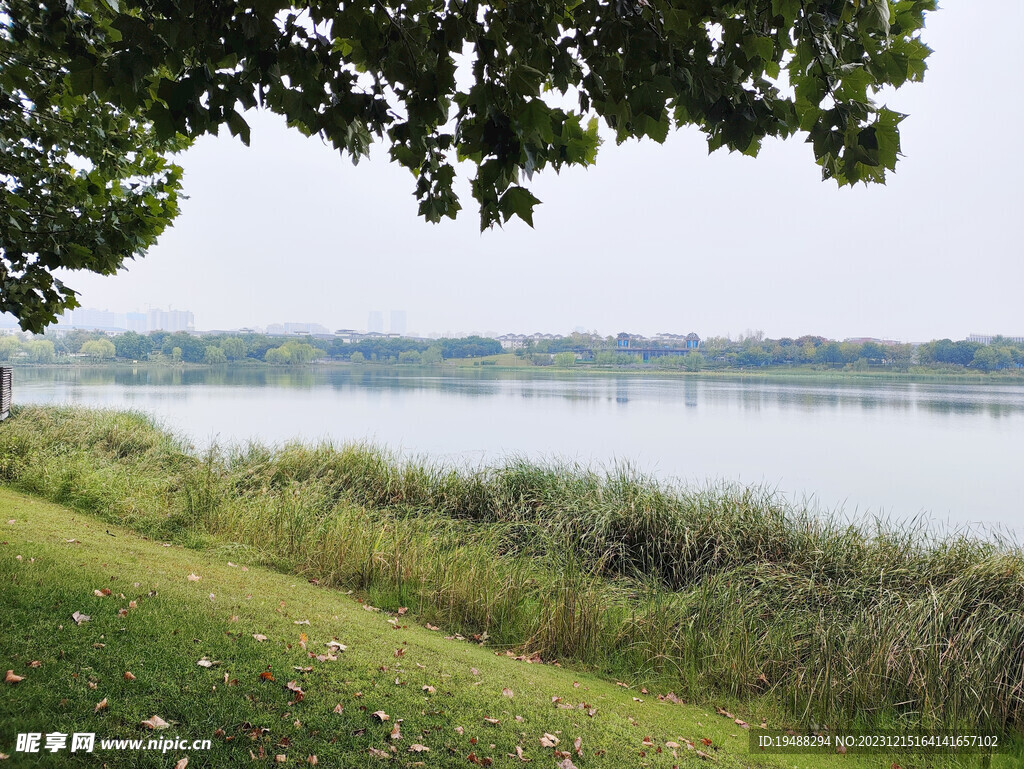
(751, 351)
(219, 349)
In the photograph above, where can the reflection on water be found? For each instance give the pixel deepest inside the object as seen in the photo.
(954, 451)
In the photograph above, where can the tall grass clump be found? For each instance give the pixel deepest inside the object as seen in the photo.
(716, 590)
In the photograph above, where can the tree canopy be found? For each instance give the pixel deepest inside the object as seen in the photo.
(508, 87)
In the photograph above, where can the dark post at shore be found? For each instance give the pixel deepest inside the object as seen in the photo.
(5, 393)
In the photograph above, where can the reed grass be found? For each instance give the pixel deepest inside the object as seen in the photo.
(718, 591)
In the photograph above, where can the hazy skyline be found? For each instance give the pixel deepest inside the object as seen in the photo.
(653, 238)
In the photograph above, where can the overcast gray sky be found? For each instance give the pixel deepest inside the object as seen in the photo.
(653, 238)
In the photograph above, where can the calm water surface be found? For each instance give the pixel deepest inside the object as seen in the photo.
(952, 452)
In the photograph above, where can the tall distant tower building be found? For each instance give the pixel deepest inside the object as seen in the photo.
(398, 324)
(375, 323)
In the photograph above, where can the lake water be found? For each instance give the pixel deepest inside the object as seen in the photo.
(952, 452)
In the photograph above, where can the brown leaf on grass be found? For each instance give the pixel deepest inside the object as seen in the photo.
(193, 578)
(429, 689)
(432, 627)
(101, 705)
(459, 730)
(519, 754)
(396, 732)
(549, 740)
(566, 763)
(841, 749)
(79, 618)
(129, 676)
(417, 748)
(280, 758)
(705, 741)
(474, 671)
(379, 753)
(508, 693)
(122, 612)
(334, 646)
(12, 678)
(102, 593)
(402, 610)
(725, 713)
(182, 763)
(133, 605)
(266, 675)
(671, 697)
(206, 662)
(672, 745)
(312, 760)
(637, 699)
(648, 742)
(259, 637)
(704, 755)
(578, 745)
(740, 722)
(492, 721)
(400, 652)
(381, 716)
(155, 722)
(35, 664)
(302, 622)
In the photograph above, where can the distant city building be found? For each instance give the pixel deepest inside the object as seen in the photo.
(987, 338)
(167, 320)
(137, 322)
(375, 322)
(398, 322)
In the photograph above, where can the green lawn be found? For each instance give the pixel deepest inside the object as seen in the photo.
(158, 624)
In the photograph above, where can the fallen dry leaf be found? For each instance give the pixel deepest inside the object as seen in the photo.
(432, 627)
(459, 730)
(703, 755)
(79, 618)
(193, 578)
(508, 692)
(302, 622)
(101, 705)
(399, 652)
(578, 745)
(259, 637)
(381, 716)
(673, 745)
(339, 708)
(519, 755)
(429, 689)
(379, 753)
(417, 748)
(566, 764)
(129, 676)
(396, 733)
(155, 722)
(335, 646)
(182, 763)
(35, 664)
(312, 760)
(549, 740)
(11, 678)
(280, 758)
(492, 721)
(266, 675)
(402, 610)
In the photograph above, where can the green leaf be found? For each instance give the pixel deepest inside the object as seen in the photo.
(518, 201)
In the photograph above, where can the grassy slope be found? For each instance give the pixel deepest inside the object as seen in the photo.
(161, 640)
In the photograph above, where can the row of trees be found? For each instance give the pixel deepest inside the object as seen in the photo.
(218, 349)
(716, 352)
